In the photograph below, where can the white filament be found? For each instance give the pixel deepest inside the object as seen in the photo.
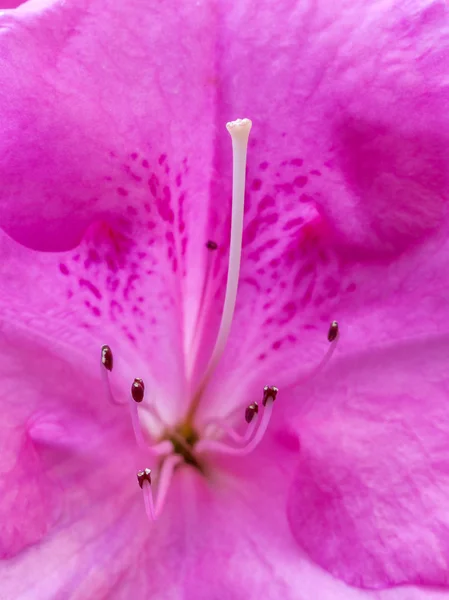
(223, 448)
(165, 476)
(222, 425)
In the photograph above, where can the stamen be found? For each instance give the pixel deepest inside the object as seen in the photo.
(153, 509)
(107, 360)
(144, 475)
(260, 430)
(138, 390)
(137, 394)
(239, 131)
(250, 412)
(269, 392)
(333, 331)
(333, 336)
(199, 325)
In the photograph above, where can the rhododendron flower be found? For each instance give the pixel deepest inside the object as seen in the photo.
(272, 365)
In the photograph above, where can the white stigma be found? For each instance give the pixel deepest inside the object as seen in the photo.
(239, 131)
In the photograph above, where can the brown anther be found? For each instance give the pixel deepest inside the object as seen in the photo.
(137, 390)
(144, 475)
(211, 245)
(107, 359)
(251, 411)
(333, 331)
(269, 391)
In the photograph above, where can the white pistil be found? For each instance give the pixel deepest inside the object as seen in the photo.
(239, 131)
(153, 509)
(256, 438)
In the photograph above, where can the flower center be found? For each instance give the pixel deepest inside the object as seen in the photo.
(184, 444)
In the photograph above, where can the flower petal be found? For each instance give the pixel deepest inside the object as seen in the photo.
(336, 170)
(101, 293)
(87, 134)
(369, 494)
(72, 517)
(240, 546)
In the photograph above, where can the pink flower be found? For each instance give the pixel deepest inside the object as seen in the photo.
(115, 159)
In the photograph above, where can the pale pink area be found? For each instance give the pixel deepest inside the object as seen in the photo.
(29, 505)
(240, 545)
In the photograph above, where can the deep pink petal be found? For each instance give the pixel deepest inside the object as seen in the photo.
(368, 501)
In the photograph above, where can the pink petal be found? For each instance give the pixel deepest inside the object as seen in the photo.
(340, 185)
(106, 548)
(52, 413)
(88, 134)
(29, 506)
(109, 290)
(72, 516)
(368, 499)
(240, 545)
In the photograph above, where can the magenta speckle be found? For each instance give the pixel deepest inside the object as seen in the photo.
(162, 159)
(122, 192)
(287, 188)
(85, 283)
(276, 345)
(134, 156)
(293, 223)
(300, 181)
(145, 164)
(153, 184)
(266, 202)
(263, 165)
(256, 185)
(63, 268)
(297, 162)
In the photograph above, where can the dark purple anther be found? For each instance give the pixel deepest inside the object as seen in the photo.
(144, 475)
(211, 245)
(137, 390)
(107, 359)
(251, 411)
(333, 331)
(269, 391)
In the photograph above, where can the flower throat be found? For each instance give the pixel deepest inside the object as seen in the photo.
(183, 443)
